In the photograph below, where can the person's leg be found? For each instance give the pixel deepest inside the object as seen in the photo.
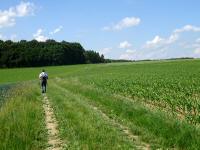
(42, 86)
(45, 86)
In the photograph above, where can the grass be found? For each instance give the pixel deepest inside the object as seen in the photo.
(22, 120)
(153, 127)
(26, 74)
(81, 127)
(121, 91)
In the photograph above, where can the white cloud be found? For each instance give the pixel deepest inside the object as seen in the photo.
(24, 9)
(125, 56)
(130, 51)
(196, 45)
(58, 29)
(128, 55)
(197, 51)
(159, 42)
(157, 39)
(174, 37)
(8, 17)
(106, 50)
(124, 44)
(39, 36)
(187, 28)
(124, 23)
(174, 46)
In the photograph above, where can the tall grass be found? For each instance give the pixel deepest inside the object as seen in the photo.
(22, 120)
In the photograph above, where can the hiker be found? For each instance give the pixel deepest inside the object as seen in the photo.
(43, 78)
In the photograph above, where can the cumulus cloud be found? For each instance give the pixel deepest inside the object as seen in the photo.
(127, 22)
(197, 51)
(124, 44)
(129, 54)
(158, 41)
(39, 36)
(130, 51)
(175, 45)
(8, 17)
(58, 29)
(187, 28)
(196, 46)
(173, 38)
(106, 50)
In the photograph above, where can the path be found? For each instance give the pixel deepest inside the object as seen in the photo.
(140, 145)
(54, 141)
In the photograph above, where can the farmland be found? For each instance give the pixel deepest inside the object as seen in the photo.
(139, 105)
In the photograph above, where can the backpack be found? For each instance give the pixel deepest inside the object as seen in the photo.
(44, 78)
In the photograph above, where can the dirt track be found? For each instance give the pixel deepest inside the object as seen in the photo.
(55, 143)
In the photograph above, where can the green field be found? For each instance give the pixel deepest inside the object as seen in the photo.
(138, 105)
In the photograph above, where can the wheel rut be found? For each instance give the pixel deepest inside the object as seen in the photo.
(140, 145)
(54, 142)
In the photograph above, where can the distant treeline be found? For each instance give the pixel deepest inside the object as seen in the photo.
(124, 60)
(33, 53)
(117, 60)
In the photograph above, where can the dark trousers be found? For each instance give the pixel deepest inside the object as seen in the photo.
(44, 86)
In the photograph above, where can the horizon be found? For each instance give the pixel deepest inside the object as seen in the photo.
(122, 29)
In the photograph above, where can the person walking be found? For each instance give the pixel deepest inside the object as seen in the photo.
(43, 76)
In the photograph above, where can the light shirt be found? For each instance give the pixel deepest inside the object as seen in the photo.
(43, 74)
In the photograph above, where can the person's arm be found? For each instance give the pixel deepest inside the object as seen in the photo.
(40, 76)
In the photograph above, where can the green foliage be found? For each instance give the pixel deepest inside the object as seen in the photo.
(170, 85)
(22, 120)
(155, 127)
(93, 57)
(33, 53)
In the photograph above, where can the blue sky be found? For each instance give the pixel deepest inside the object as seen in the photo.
(119, 29)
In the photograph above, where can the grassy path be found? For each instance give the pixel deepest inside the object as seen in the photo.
(124, 129)
(54, 141)
(83, 128)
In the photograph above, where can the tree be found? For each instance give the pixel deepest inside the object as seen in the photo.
(33, 53)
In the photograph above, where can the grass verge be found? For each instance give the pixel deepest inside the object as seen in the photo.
(83, 128)
(22, 120)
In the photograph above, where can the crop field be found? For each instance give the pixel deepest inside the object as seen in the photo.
(133, 105)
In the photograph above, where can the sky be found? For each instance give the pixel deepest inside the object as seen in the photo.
(119, 29)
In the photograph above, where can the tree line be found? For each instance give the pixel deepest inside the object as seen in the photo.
(33, 53)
